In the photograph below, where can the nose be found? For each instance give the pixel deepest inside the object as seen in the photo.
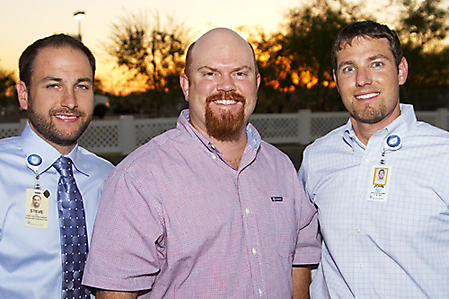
(69, 100)
(363, 77)
(226, 83)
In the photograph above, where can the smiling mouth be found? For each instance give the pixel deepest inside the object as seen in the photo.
(367, 96)
(225, 102)
(66, 117)
(225, 98)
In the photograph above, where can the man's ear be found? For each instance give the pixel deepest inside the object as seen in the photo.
(22, 94)
(402, 71)
(185, 85)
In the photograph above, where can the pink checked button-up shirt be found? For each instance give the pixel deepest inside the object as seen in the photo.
(176, 218)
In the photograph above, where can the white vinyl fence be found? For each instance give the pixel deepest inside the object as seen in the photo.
(124, 134)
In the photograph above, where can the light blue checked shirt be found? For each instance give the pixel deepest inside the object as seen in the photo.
(393, 248)
(30, 257)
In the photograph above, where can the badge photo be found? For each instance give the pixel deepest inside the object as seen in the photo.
(36, 208)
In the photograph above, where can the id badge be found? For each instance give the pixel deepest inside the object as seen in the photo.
(379, 183)
(36, 208)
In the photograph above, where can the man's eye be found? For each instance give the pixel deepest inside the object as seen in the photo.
(377, 64)
(51, 86)
(348, 69)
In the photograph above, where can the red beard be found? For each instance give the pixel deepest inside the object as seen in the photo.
(226, 126)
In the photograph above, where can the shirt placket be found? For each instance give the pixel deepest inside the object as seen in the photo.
(253, 242)
(369, 157)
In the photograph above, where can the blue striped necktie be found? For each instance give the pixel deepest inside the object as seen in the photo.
(73, 233)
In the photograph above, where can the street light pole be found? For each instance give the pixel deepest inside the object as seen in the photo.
(78, 16)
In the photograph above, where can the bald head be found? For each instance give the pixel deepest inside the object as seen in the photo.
(219, 40)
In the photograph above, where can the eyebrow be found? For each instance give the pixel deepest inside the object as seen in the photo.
(371, 58)
(57, 79)
(215, 69)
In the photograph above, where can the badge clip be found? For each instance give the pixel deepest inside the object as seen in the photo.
(393, 142)
(34, 162)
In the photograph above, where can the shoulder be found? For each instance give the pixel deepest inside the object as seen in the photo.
(10, 148)
(153, 152)
(326, 142)
(10, 143)
(426, 129)
(94, 163)
(272, 150)
(325, 153)
(270, 154)
(425, 139)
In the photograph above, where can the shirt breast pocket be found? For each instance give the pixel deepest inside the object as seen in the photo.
(285, 225)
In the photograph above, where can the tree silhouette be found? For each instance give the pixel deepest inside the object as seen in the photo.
(298, 57)
(7, 87)
(153, 53)
(422, 28)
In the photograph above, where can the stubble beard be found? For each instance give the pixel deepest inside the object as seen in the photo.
(226, 126)
(44, 125)
(369, 114)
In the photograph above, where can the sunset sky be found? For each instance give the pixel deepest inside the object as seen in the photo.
(23, 21)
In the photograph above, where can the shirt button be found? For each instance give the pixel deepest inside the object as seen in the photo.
(260, 292)
(361, 266)
(367, 159)
(357, 231)
(212, 146)
(247, 211)
(254, 251)
(214, 157)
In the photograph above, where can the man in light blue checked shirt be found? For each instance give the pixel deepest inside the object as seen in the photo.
(380, 182)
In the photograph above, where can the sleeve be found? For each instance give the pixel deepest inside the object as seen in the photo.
(308, 249)
(128, 234)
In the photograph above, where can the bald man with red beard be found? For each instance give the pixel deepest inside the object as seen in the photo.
(206, 210)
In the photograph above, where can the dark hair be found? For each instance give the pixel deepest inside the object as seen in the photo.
(366, 29)
(189, 59)
(26, 60)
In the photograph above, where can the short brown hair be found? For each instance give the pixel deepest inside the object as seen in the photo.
(369, 29)
(26, 61)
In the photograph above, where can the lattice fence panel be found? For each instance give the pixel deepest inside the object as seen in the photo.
(275, 127)
(149, 128)
(102, 137)
(105, 136)
(323, 123)
(9, 130)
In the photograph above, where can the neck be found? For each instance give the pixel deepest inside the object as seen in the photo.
(364, 131)
(62, 149)
(232, 150)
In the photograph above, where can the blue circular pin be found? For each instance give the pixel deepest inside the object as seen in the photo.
(394, 142)
(34, 161)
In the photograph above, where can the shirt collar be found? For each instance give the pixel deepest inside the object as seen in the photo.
(401, 125)
(253, 137)
(30, 143)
